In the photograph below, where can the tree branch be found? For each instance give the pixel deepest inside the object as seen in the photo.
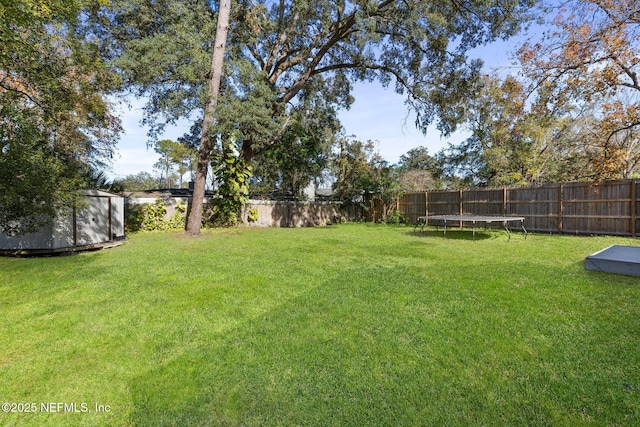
(338, 35)
(256, 55)
(280, 44)
(615, 132)
(375, 67)
(8, 87)
(629, 72)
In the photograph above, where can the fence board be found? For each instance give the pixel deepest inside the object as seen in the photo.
(413, 205)
(483, 202)
(443, 202)
(539, 205)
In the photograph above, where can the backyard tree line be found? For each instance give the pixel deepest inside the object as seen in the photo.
(570, 114)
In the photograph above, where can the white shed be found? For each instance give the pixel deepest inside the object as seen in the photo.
(99, 222)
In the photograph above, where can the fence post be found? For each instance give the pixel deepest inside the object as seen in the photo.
(634, 196)
(426, 203)
(560, 208)
(504, 201)
(461, 207)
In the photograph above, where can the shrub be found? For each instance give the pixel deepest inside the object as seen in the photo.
(233, 174)
(178, 220)
(395, 218)
(152, 217)
(252, 215)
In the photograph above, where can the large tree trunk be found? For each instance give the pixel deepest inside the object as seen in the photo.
(194, 222)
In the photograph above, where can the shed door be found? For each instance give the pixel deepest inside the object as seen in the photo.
(92, 222)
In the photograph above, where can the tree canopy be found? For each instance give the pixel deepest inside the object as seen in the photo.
(364, 179)
(572, 114)
(283, 53)
(514, 140)
(54, 120)
(176, 159)
(590, 58)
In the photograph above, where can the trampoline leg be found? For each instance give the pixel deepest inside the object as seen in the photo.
(508, 233)
(506, 227)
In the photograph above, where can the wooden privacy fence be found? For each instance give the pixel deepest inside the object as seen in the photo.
(608, 207)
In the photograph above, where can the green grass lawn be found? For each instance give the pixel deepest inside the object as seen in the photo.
(344, 325)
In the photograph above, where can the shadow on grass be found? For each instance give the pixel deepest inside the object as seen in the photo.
(331, 356)
(455, 234)
(370, 346)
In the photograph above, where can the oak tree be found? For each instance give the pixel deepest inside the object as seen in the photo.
(289, 51)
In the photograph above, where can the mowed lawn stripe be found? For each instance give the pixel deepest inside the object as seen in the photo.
(352, 324)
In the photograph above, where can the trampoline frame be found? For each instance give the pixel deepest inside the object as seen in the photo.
(473, 219)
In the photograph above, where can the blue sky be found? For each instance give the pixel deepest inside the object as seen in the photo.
(378, 114)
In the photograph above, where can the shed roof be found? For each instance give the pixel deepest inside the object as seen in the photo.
(97, 193)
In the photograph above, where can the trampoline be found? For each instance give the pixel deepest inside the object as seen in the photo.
(473, 219)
